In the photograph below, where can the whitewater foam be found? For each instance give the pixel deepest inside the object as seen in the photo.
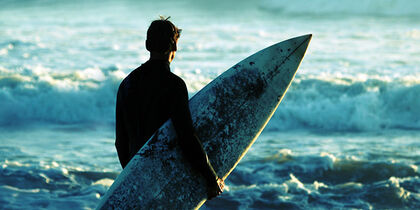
(327, 102)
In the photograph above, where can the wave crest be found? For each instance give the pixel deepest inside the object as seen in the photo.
(350, 104)
(356, 103)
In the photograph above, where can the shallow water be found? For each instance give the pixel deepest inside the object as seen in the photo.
(71, 167)
(345, 136)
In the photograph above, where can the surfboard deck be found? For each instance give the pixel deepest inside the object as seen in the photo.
(228, 114)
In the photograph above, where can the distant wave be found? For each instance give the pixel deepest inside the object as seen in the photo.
(349, 7)
(300, 7)
(314, 102)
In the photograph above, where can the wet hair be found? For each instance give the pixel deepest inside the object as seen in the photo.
(162, 36)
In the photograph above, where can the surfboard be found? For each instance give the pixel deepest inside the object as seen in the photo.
(228, 115)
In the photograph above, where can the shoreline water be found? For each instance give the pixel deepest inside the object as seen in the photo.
(282, 169)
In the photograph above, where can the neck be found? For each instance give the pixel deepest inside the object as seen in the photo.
(162, 56)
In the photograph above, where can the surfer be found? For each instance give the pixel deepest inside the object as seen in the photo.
(150, 95)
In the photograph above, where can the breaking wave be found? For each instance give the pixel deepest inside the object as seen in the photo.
(350, 104)
(327, 103)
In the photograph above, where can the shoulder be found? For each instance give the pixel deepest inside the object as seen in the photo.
(177, 81)
(128, 80)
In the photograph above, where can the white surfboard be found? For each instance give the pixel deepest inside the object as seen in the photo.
(228, 114)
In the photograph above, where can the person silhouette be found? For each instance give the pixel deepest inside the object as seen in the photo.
(150, 95)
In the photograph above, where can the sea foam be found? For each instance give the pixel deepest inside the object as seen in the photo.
(323, 102)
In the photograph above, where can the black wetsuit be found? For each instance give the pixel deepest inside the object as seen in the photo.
(147, 98)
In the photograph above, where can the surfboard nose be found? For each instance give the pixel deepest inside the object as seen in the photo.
(303, 46)
(307, 38)
(294, 47)
(282, 60)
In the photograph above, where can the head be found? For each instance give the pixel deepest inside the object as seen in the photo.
(162, 39)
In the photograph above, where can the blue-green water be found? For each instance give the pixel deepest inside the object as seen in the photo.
(347, 134)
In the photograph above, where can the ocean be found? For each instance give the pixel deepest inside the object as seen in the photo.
(346, 135)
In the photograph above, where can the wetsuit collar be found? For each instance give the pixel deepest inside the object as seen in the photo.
(161, 64)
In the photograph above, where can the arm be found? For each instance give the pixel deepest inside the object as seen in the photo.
(189, 142)
(121, 141)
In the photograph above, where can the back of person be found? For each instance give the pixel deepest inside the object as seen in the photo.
(145, 101)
